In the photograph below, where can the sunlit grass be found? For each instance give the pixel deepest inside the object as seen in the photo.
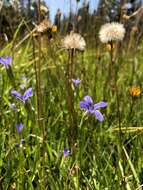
(99, 160)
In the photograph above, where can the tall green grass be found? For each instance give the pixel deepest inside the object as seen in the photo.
(100, 160)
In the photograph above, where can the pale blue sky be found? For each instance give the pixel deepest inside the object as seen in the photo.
(64, 5)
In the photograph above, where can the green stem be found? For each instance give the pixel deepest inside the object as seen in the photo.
(70, 99)
(38, 71)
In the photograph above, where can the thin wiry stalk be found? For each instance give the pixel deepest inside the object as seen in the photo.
(122, 3)
(39, 91)
(11, 76)
(35, 68)
(114, 88)
(111, 63)
(112, 73)
(70, 99)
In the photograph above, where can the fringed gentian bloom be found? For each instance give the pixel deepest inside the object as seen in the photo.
(6, 61)
(91, 108)
(66, 152)
(28, 93)
(19, 127)
(76, 82)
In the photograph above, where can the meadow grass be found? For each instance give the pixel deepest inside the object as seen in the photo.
(106, 155)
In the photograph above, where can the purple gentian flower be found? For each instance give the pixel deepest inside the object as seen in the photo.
(76, 82)
(66, 152)
(28, 93)
(6, 61)
(91, 108)
(19, 127)
(16, 94)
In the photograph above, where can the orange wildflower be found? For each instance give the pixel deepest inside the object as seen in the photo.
(135, 91)
(54, 28)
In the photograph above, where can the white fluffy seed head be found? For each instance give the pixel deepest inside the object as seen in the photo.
(74, 41)
(44, 26)
(111, 32)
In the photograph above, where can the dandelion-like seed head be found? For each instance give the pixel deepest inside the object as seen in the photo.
(44, 26)
(44, 9)
(111, 32)
(74, 41)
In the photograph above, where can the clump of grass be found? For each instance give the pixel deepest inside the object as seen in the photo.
(30, 160)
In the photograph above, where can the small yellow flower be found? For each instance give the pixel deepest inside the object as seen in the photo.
(135, 91)
(54, 28)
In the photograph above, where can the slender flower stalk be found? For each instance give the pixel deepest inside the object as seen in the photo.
(111, 33)
(72, 42)
(70, 99)
(114, 88)
(38, 76)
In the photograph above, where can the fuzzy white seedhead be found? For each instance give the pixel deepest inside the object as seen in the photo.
(111, 32)
(74, 41)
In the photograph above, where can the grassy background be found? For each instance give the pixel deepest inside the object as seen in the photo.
(104, 157)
